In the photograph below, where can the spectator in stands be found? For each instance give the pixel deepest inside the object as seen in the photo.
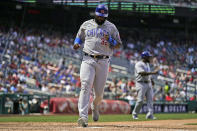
(131, 97)
(169, 98)
(193, 98)
(178, 98)
(44, 88)
(167, 88)
(19, 89)
(130, 84)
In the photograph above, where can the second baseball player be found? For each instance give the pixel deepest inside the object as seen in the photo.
(144, 85)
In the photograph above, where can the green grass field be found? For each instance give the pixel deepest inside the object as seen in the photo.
(191, 124)
(103, 118)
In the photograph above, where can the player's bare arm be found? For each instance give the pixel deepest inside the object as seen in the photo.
(148, 73)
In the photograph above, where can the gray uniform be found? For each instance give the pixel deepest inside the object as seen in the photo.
(144, 88)
(93, 72)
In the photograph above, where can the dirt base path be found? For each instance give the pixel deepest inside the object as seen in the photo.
(155, 125)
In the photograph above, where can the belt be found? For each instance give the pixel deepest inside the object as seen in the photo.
(97, 56)
(144, 81)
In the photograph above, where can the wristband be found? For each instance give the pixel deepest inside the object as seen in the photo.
(112, 41)
(77, 41)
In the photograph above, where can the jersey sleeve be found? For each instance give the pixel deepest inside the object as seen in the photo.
(81, 33)
(139, 68)
(116, 35)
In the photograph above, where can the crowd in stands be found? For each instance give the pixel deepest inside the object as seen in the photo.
(175, 53)
(22, 51)
(23, 64)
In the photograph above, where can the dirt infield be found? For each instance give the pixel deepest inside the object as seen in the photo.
(155, 125)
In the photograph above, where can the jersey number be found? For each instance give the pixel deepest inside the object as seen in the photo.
(104, 42)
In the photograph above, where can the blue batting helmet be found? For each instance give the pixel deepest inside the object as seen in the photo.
(145, 54)
(101, 10)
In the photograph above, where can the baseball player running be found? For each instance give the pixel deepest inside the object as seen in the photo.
(100, 38)
(144, 85)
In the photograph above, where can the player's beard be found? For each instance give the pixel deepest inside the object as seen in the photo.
(99, 22)
(146, 60)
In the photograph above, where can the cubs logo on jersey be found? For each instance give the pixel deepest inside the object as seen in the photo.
(96, 32)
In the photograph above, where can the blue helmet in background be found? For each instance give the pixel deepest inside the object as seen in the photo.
(145, 54)
(101, 10)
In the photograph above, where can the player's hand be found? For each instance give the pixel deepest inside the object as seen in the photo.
(76, 46)
(106, 36)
